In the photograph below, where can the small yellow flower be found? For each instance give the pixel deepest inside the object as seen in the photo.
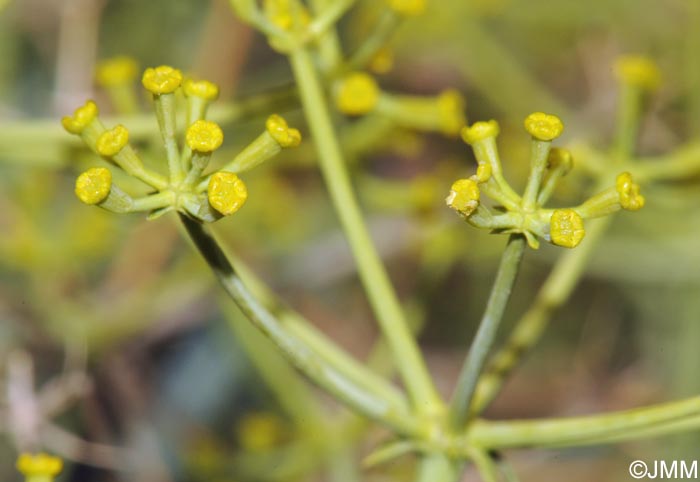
(111, 142)
(43, 465)
(630, 198)
(638, 71)
(161, 80)
(280, 131)
(464, 196)
(483, 172)
(559, 157)
(116, 71)
(226, 192)
(259, 432)
(357, 94)
(93, 186)
(408, 7)
(480, 131)
(204, 136)
(202, 88)
(544, 127)
(451, 107)
(287, 14)
(383, 61)
(566, 228)
(82, 117)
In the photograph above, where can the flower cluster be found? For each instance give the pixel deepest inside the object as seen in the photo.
(206, 197)
(525, 214)
(289, 25)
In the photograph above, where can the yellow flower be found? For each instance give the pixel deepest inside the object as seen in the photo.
(226, 192)
(630, 198)
(116, 71)
(483, 172)
(566, 228)
(42, 465)
(480, 131)
(162, 80)
(204, 136)
(383, 61)
(559, 157)
(202, 88)
(111, 142)
(408, 7)
(82, 117)
(93, 186)
(638, 71)
(357, 94)
(544, 127)
(281, 132)
(464, 196)
(451, 107)
(262, 431)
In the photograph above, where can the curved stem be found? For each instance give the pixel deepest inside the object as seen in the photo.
(374, 277)
(296, 352)
(486, 334)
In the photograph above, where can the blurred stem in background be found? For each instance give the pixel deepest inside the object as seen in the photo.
(381, 294)
(692, 67)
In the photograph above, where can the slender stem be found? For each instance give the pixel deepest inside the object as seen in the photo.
(290, 389)
(382, 297)
(486, 333)
(540, 151)
(165, 113)
(295, 351)
(154, 201)
(556, 289)
(485, 465)
(692, 67)
(377, 38)
(589, 430)
(628, 115)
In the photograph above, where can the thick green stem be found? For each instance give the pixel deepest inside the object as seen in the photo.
(376, 282)
(486, 334)
(587, 430)
(436, 467)
(295, 351)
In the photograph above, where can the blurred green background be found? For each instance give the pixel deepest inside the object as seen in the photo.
(129, 303)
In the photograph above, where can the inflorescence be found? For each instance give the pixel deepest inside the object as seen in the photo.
(525, 214)
(205, 197)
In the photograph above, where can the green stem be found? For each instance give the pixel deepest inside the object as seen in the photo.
(295, 351)
(290, 390)
(376, 282)
(376, 40)
(628, 115)
(317, 341)
(485, 465)
(540, 152)
(556, 290)
(486, 333)
(587, 430)
(165, 113)
(692, 67)
(436, 467)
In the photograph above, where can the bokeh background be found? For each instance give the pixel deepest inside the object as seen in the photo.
(128, 318)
